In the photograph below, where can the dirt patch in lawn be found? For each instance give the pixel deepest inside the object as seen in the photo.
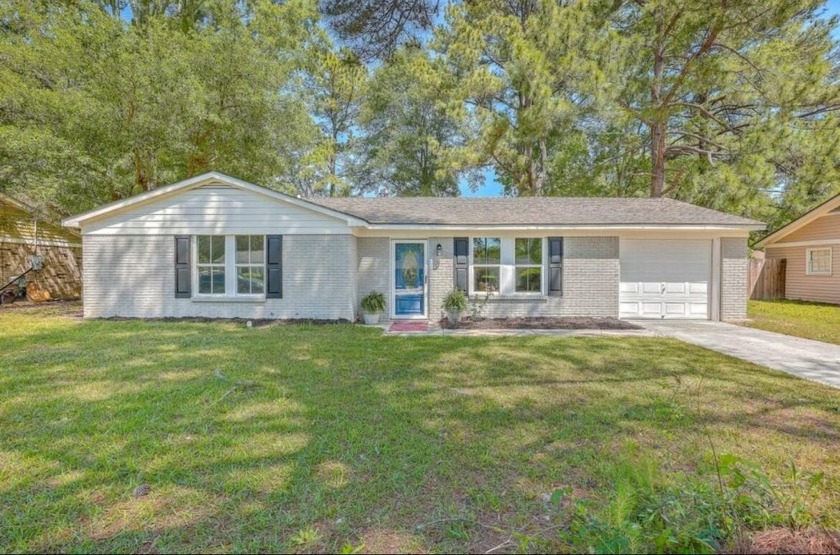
(71, 308)
(576, 323)
(786, 541)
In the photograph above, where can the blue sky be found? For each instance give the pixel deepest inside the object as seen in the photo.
(491, 188)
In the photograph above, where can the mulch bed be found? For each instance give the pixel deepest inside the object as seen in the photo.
(255, 322)
(570, 323)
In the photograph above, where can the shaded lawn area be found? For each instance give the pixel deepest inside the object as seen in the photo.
(803, 319)
(321, 438)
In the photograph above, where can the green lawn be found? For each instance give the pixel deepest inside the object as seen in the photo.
(322, 438)
(802, 319)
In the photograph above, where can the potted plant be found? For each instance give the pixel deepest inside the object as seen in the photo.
(373, 304)
(454, 304)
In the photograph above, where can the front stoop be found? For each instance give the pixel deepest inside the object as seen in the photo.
(409, 326)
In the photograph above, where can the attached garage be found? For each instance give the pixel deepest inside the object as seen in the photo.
(663, 278)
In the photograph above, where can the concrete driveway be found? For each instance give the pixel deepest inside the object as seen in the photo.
(812, 360)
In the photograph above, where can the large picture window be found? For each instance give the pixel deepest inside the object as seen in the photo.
(250, 264)
(487, 260)
(528, 267)
(210, 264)
(818, 262)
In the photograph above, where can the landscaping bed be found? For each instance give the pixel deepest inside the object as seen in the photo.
(570, 323)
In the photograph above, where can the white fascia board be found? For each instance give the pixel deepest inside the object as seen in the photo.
(617, 227)
(811, 243)
(197, 181)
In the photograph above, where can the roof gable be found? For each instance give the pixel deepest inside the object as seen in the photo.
(160, 193)
(20, 221)
(827, 207)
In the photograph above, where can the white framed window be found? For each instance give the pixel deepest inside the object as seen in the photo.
(250, 264)
(528, 264)
(507, 266)
(229, 265)
(210, 264)
(486, 264)
(818, 262)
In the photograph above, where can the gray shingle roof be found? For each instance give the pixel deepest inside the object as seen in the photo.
(549, 211)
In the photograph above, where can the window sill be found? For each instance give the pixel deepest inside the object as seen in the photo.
(521, 297)
(228, 299)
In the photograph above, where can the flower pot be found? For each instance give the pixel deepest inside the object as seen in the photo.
(371, 319)
(454, 317)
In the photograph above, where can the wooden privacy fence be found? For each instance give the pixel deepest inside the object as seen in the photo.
(767, 278)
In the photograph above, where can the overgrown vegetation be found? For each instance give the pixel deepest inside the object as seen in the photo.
(327, 438)
(803, 319)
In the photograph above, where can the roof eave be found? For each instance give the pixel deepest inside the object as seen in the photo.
(550, 226)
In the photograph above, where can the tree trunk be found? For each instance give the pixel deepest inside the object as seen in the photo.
(659, 124)
(657, 158)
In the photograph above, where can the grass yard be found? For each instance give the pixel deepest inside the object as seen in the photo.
(325, 438)
(802, 319)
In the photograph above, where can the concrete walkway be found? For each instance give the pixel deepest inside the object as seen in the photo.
(812, 360)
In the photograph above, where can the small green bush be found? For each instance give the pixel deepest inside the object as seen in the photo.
(373, 302)
(455, 301)
(650, 511)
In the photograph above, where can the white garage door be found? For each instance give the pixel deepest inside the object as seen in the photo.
(665, 278)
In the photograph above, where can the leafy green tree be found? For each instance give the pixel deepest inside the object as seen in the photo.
(529, 69)
(414, 133)
(375, 29)
(335, 84)
(94, 108)
(715, 90)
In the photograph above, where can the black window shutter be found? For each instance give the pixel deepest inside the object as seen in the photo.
(555, 265)
(182, 267)
(462, 257)
(274, 267)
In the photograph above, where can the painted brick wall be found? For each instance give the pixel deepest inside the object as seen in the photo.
(374, 270)
(131, 275)
(734, 276)
(590, 282)
(441, 274)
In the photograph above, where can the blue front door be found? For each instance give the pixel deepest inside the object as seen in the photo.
(410, 280)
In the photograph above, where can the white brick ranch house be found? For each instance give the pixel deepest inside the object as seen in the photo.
(215, 246)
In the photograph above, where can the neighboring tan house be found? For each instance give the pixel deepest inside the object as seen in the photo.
(811, 246)
(22, 235)
(215, 246)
